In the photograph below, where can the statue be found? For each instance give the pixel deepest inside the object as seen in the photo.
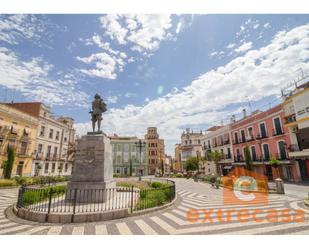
(98, 107)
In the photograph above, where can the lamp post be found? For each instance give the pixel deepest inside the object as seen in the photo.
(140, 144)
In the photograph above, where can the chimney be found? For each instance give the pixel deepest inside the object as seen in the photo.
(244, 112)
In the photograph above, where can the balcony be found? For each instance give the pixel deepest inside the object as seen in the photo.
(290, 119)
(296, 151)
(281, 156)
(48, 156)
(38, 156)
(250, 138)
(242, 140)
(277, 132)
(238, 159)
(261, 136)
(226, 142)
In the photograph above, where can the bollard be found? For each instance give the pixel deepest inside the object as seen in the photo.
(279, 186)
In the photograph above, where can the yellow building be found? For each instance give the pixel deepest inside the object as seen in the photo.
(17, 129)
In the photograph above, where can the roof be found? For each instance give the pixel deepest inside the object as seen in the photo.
(32, 108)
(214, 128)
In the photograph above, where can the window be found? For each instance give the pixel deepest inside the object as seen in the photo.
(250, 132)
(263, 130)
(55, 151)
(57, 135)
(46, 168)
(278, 128)
(282, 151)
(266, 152)
(253, 153)
(48, 151)
(65, 139)
(42, 131)
(40, 148)
(66, 167)
(243, 137)
(53, 168)
(228, 153)
(236, 137)
(23, 148)
(51, 133)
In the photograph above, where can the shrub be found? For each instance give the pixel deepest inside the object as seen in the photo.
(8, 183)
(156, 185)
(179, 175)
(33, 196)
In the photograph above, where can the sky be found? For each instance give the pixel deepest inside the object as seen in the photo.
(169, 71)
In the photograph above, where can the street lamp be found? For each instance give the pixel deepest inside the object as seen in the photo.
(140, 144)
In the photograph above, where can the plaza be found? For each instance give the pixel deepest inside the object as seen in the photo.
(172, 220)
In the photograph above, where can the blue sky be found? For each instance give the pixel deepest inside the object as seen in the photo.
(169, 71)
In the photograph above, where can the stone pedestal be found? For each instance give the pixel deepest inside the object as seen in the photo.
(93, 169)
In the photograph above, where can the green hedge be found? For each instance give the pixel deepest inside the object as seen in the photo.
(39, 180)
(8, 183)
(32, 196)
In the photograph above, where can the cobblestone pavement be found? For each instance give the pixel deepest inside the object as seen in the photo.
(191, 196)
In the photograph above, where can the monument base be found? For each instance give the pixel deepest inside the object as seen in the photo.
(90, 192)
(92, 177)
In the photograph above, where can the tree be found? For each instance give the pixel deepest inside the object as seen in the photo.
(191, 163)
(8, 164)
(131, 167)
(216, 156)
(248, 160)
(162, 167)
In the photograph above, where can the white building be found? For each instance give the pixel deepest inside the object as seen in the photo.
(218, 138)
(191, 145)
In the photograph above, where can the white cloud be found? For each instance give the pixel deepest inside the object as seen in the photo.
(105, 65)
(113, 28)
(267, 25)
(112, 99)
(244, 47)
(142, 32)
(130, 95)
(14, 28)
(258, 73)
(231, 45)
(255, 26)
(32, 78)
(218, 54)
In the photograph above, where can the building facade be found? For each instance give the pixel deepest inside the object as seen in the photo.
(267, 140)
(168, 168)
(54, 143)
(218, 139)
(126, 153)
(17, 130)
(296, 120)
(191, 145)
(177, 166)
(156, 151)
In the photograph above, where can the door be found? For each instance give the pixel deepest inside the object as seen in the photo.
(269, 172)
(303, 170)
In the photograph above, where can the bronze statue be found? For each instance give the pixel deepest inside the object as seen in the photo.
(98, 107)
